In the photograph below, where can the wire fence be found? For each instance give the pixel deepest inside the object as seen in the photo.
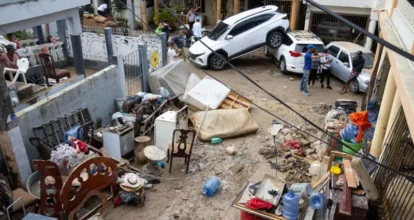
(133, 73)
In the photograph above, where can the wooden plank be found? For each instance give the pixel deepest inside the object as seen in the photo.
(349, 173)
(320, 180)
(365, 178)
(345, 206)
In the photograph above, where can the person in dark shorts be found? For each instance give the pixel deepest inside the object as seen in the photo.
(326, 69)
(357, 65)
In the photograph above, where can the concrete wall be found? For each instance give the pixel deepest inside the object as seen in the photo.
(33, 9)
(348, 3)
(97, 93)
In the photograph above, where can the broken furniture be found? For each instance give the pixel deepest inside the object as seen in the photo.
(21, 200)
(144, 122)
(51, 134)
(182, 148)
(49, 69)
(119, 144)
(235, 101)
(165, 125)
(95, 174)
(139, 150)
(154, 154)
(23, 66)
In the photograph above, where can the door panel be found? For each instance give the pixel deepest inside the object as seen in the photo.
(335, 62)
(343, 70)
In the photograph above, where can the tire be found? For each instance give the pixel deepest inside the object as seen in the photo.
(354, 86)
(275, 39)
(266, 51)
(282, 65)
(216, 63)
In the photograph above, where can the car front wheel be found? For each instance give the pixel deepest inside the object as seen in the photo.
(283, 65)
(354, 87)
(275, 39)
(216, 62)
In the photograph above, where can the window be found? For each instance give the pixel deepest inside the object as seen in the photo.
(249, 24)
(303, 48)
(334, 51)
(150, 3)
(287, 41)
(369, 59)
(218, 30)
(344, 57)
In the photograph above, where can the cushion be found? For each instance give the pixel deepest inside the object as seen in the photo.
(27, 199)
(187, 150)
(61, 73)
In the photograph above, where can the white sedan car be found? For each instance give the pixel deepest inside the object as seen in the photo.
(241, 34)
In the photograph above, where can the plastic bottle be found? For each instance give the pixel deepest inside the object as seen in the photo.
(211, 186)
(291, 205)
(303, 189)
(317, 200)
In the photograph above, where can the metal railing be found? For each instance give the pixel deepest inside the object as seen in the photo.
(133, 74)
(406, 9)
(396, 199)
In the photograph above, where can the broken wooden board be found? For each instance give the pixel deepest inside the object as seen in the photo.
(234, 101)
(321, 180)
(365, 178)
(345, 206)
(349, 174)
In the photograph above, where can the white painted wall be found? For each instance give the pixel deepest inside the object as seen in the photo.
(348, 3)
(404, 31)
(32, 9)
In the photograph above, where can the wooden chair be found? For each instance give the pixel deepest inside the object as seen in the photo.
(182, 148)
(49, 69)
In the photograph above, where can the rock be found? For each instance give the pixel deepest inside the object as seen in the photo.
(304, 142)
(267, 138)
(235, 169)
(286, 131)
(266, 151)
(153, 190)
(310, 151)
(291, 79)
(230, 150)
(288, 137)
(176, 215)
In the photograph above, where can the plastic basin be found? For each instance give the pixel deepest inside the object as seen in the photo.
(355, 147)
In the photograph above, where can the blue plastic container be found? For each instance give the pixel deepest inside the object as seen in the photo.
(211, 186)
(73, 132)
(317, 201)
(291, 205)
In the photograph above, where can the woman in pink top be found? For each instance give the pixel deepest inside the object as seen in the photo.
(9, 58)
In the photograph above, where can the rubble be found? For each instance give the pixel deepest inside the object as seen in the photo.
(322, 109)
(297, 170)
(230, 150)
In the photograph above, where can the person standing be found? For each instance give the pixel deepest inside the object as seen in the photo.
(357, 65)
(197, 29)
(166, 29)
(326, 68)
(307, 68)
(179, 42)
(103, 10)
(172, 53)
(13, 39)
(191, 17)
(314, 71)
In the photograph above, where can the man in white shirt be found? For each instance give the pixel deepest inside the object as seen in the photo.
(103, 10)
(172, 53)
(326, 68)
(197, 29)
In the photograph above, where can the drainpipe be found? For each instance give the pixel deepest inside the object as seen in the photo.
(371, 28)
(383, 116)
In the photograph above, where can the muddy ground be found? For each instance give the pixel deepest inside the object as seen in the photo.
(182, 199)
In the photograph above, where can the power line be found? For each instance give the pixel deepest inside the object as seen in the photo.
(274, 97)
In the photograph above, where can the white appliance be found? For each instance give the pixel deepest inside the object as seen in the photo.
(118, 144)
(165, 125)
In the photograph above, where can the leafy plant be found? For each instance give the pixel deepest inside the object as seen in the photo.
(117, 7)
(162, 15)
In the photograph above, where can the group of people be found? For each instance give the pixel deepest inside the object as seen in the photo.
(320, 64)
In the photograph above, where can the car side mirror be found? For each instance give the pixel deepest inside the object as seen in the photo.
(229, 37)
(346, 64)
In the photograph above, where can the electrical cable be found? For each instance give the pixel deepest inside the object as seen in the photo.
(274, 97)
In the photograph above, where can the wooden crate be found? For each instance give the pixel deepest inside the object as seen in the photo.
(234, 101)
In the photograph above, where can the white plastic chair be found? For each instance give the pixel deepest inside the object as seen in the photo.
(23, 66)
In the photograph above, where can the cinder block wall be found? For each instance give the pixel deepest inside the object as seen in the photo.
(97, 93)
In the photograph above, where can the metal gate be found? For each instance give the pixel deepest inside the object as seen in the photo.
(133, 74)
(328, 28)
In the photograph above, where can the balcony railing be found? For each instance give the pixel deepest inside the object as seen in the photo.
(406, 9)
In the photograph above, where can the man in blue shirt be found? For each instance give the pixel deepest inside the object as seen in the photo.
(307, 68)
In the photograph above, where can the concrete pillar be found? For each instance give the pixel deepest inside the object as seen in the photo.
(294, 15)
(95, 4)
(236, 6)
(383, 116)
(394, 5)
(143, 61)
(131, 14)
(218, 10)
(371, 28)
(108, 42)
(76, 43)
(11, 141)
(117, 60)
(73, 23)
(144, 15)
(39, 33)
(156, 6)
(246, 5)
(396, 105)
(61, 25)
(164, 50)
(307, 18)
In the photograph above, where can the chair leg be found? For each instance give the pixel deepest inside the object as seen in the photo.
(188, 164)
(168, 155)
(171, 163)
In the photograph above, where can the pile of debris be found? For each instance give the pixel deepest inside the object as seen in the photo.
(297, 170)
(322, 109)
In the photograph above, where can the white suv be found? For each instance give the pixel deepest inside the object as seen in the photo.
(294, 44)
(241, 34)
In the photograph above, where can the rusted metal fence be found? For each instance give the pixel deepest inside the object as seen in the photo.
(328, 28)
(133, 73)
(186, 4)
(396, 199)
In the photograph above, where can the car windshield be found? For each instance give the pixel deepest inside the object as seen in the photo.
(369, 59)
(303, 48)
(218, 30)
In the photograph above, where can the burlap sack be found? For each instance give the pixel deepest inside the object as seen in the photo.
(87, 16)
(224, 123)
(100, 19)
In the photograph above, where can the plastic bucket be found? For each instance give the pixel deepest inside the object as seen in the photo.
(355, 147)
